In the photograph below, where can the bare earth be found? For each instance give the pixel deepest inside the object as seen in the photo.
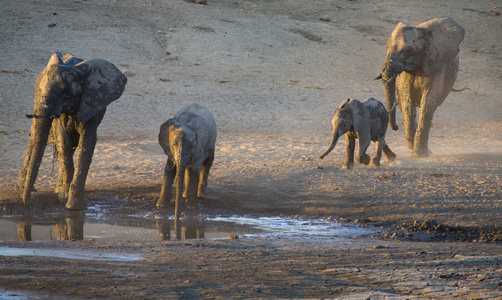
(272, 72)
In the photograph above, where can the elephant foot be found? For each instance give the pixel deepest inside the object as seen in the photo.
(62, 199)
(20, 188)
(418, 153)
(348, 166)
(161, 204)
(364, 159)
(390, 157)
(410, 144)
(76, 205)
(192, 201)
(375, 162)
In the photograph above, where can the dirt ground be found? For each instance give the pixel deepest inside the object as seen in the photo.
(272, 72)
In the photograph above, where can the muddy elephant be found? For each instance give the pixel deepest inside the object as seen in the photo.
(70, 101)
(366, 121)
(189, 141)
(421, 67)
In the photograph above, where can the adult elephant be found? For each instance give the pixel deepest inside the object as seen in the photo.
(421, 68)
(70, 101)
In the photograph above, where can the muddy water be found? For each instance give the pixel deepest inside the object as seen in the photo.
(96, 224)
(120, 220)
(15, 228)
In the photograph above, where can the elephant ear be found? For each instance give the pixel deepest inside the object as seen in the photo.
(344, 103)
(71, 60)
(357, 111)
(443, 37)
(56, 59)
(164, 134)
(103, 84)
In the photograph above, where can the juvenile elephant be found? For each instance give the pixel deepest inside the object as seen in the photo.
(366, 121)
(189, 141)
(70, 101)
(421, 68)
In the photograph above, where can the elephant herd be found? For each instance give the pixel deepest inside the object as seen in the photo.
(71, 96)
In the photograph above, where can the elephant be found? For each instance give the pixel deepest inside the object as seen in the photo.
(366, 121)
(189, 141)
(70, 101)
(421, 67)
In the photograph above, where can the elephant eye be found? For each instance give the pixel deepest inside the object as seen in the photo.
(67, 94)
(411, 52)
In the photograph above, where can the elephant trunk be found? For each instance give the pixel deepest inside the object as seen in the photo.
(335, 138)
(391, 69)
(180, 184)
(39, 135)
(390, 96)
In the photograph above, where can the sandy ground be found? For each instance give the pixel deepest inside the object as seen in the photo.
(272, 72)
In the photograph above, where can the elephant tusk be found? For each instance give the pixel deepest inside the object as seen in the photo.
(30, 116)
(393, 108)
(389, 80)
(33, 116)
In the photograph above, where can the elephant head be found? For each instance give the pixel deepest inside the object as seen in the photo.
(66, 86)
(179, 143)
(423, 49)
(349, 116)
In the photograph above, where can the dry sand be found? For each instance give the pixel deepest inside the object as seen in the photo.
(272, 72)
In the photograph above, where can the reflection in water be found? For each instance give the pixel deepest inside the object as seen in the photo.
(70, 226)
(72, 229)
(152, 227)
(192, 229)
(24, 232)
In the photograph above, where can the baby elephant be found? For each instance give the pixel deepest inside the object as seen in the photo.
(366, 121)
(188, 140)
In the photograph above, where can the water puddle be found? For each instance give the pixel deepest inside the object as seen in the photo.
(67, 254)
(119, 223)
(5, 295)
(76, 227)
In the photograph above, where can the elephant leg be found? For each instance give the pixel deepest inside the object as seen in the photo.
(364, 143)
(350, 145)
(76, 199)
(428, 105)
(87, 143)
(167, 184)
(407, 106)
(65, 151)
(193, 183)
(375, 161)
(204, 174)
(187, 180)
(410, 127)
(388, 153)
(421, 148)
(22, 174)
